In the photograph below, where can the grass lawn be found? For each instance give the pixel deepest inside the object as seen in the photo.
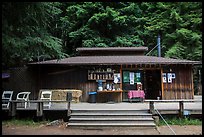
(23, 122)
(179, 121)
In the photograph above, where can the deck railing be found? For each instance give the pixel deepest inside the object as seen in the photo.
(181, 104)
(39, 107)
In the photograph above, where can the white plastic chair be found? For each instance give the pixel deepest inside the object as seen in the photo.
(24, 96)
(6, 97)
(46, 95)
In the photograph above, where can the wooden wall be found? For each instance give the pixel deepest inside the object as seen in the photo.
(182, 86)
(35, 78)
(67, 78)
(21, 79)
(71, 78)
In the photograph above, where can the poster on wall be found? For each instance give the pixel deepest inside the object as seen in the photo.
(131, 78)
(173, 75)
(164, 77)
(126, 76)
(169, 78)
(116, 78)
(137, 77)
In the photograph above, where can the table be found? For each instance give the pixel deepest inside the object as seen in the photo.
(136, 94)
(111, 91)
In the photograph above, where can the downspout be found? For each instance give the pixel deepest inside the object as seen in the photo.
(158, 46)
(161, 92)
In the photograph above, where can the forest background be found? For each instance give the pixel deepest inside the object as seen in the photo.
(36, 31)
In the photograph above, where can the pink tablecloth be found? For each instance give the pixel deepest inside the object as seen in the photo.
(136, 93)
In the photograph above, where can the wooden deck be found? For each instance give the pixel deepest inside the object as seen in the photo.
(194, 107)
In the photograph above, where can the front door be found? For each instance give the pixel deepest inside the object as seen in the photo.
(153, 84)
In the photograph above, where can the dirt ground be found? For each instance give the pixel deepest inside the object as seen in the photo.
(63, 130)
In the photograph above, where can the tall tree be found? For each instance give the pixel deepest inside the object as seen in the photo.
(98, 24)
(26, 33)
(179, 25)
(104, 24)
(49, 30)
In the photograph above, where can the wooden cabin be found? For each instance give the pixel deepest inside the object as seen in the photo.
(120, 69)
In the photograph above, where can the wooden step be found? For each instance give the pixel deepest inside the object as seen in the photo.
(108, 110)
(111, 118)
(111, 124)
(109, 114)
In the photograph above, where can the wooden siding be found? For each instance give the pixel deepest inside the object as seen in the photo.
(70, 78)
(181, 87)
(58, 77)
(21, 79)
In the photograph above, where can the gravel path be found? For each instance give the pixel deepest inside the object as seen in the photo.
(62, 130)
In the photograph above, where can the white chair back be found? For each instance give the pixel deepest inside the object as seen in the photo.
(46, 95)
(24, 96)
(6, 97)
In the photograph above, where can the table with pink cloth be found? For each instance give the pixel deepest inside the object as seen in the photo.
(136, 94)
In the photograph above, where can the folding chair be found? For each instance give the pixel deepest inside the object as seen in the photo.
(24, 96)
(6, 97)
(46, 95)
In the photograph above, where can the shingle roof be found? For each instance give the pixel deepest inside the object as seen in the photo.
(116, 60)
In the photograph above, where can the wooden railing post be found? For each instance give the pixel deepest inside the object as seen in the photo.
(69, 99)
(68, 109)
(151, 107)
(40, 109)
(12, 108)
(181, 108)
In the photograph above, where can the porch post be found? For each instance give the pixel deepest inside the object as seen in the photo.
(121, 93)
(162, 86)
(69, 99)
(40, 109)
(12, 108)
(151, 107)
(181, 109)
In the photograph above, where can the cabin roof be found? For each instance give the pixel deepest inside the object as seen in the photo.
(111, 51)
(141, 48)
(115, 60)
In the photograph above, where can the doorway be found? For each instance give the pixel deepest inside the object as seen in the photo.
(152, 84)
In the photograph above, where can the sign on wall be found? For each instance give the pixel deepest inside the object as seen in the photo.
(117, 78)
(173, 75)
(164, 77)
(132, 78)
(137, 77)
(168, 77)
(126, 76)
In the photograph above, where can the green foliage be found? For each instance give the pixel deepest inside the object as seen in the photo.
(176, 51)
(180, 121)
(107, 24)
(23, 122)
(25, 33)
(55, 29)
(179, 25)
